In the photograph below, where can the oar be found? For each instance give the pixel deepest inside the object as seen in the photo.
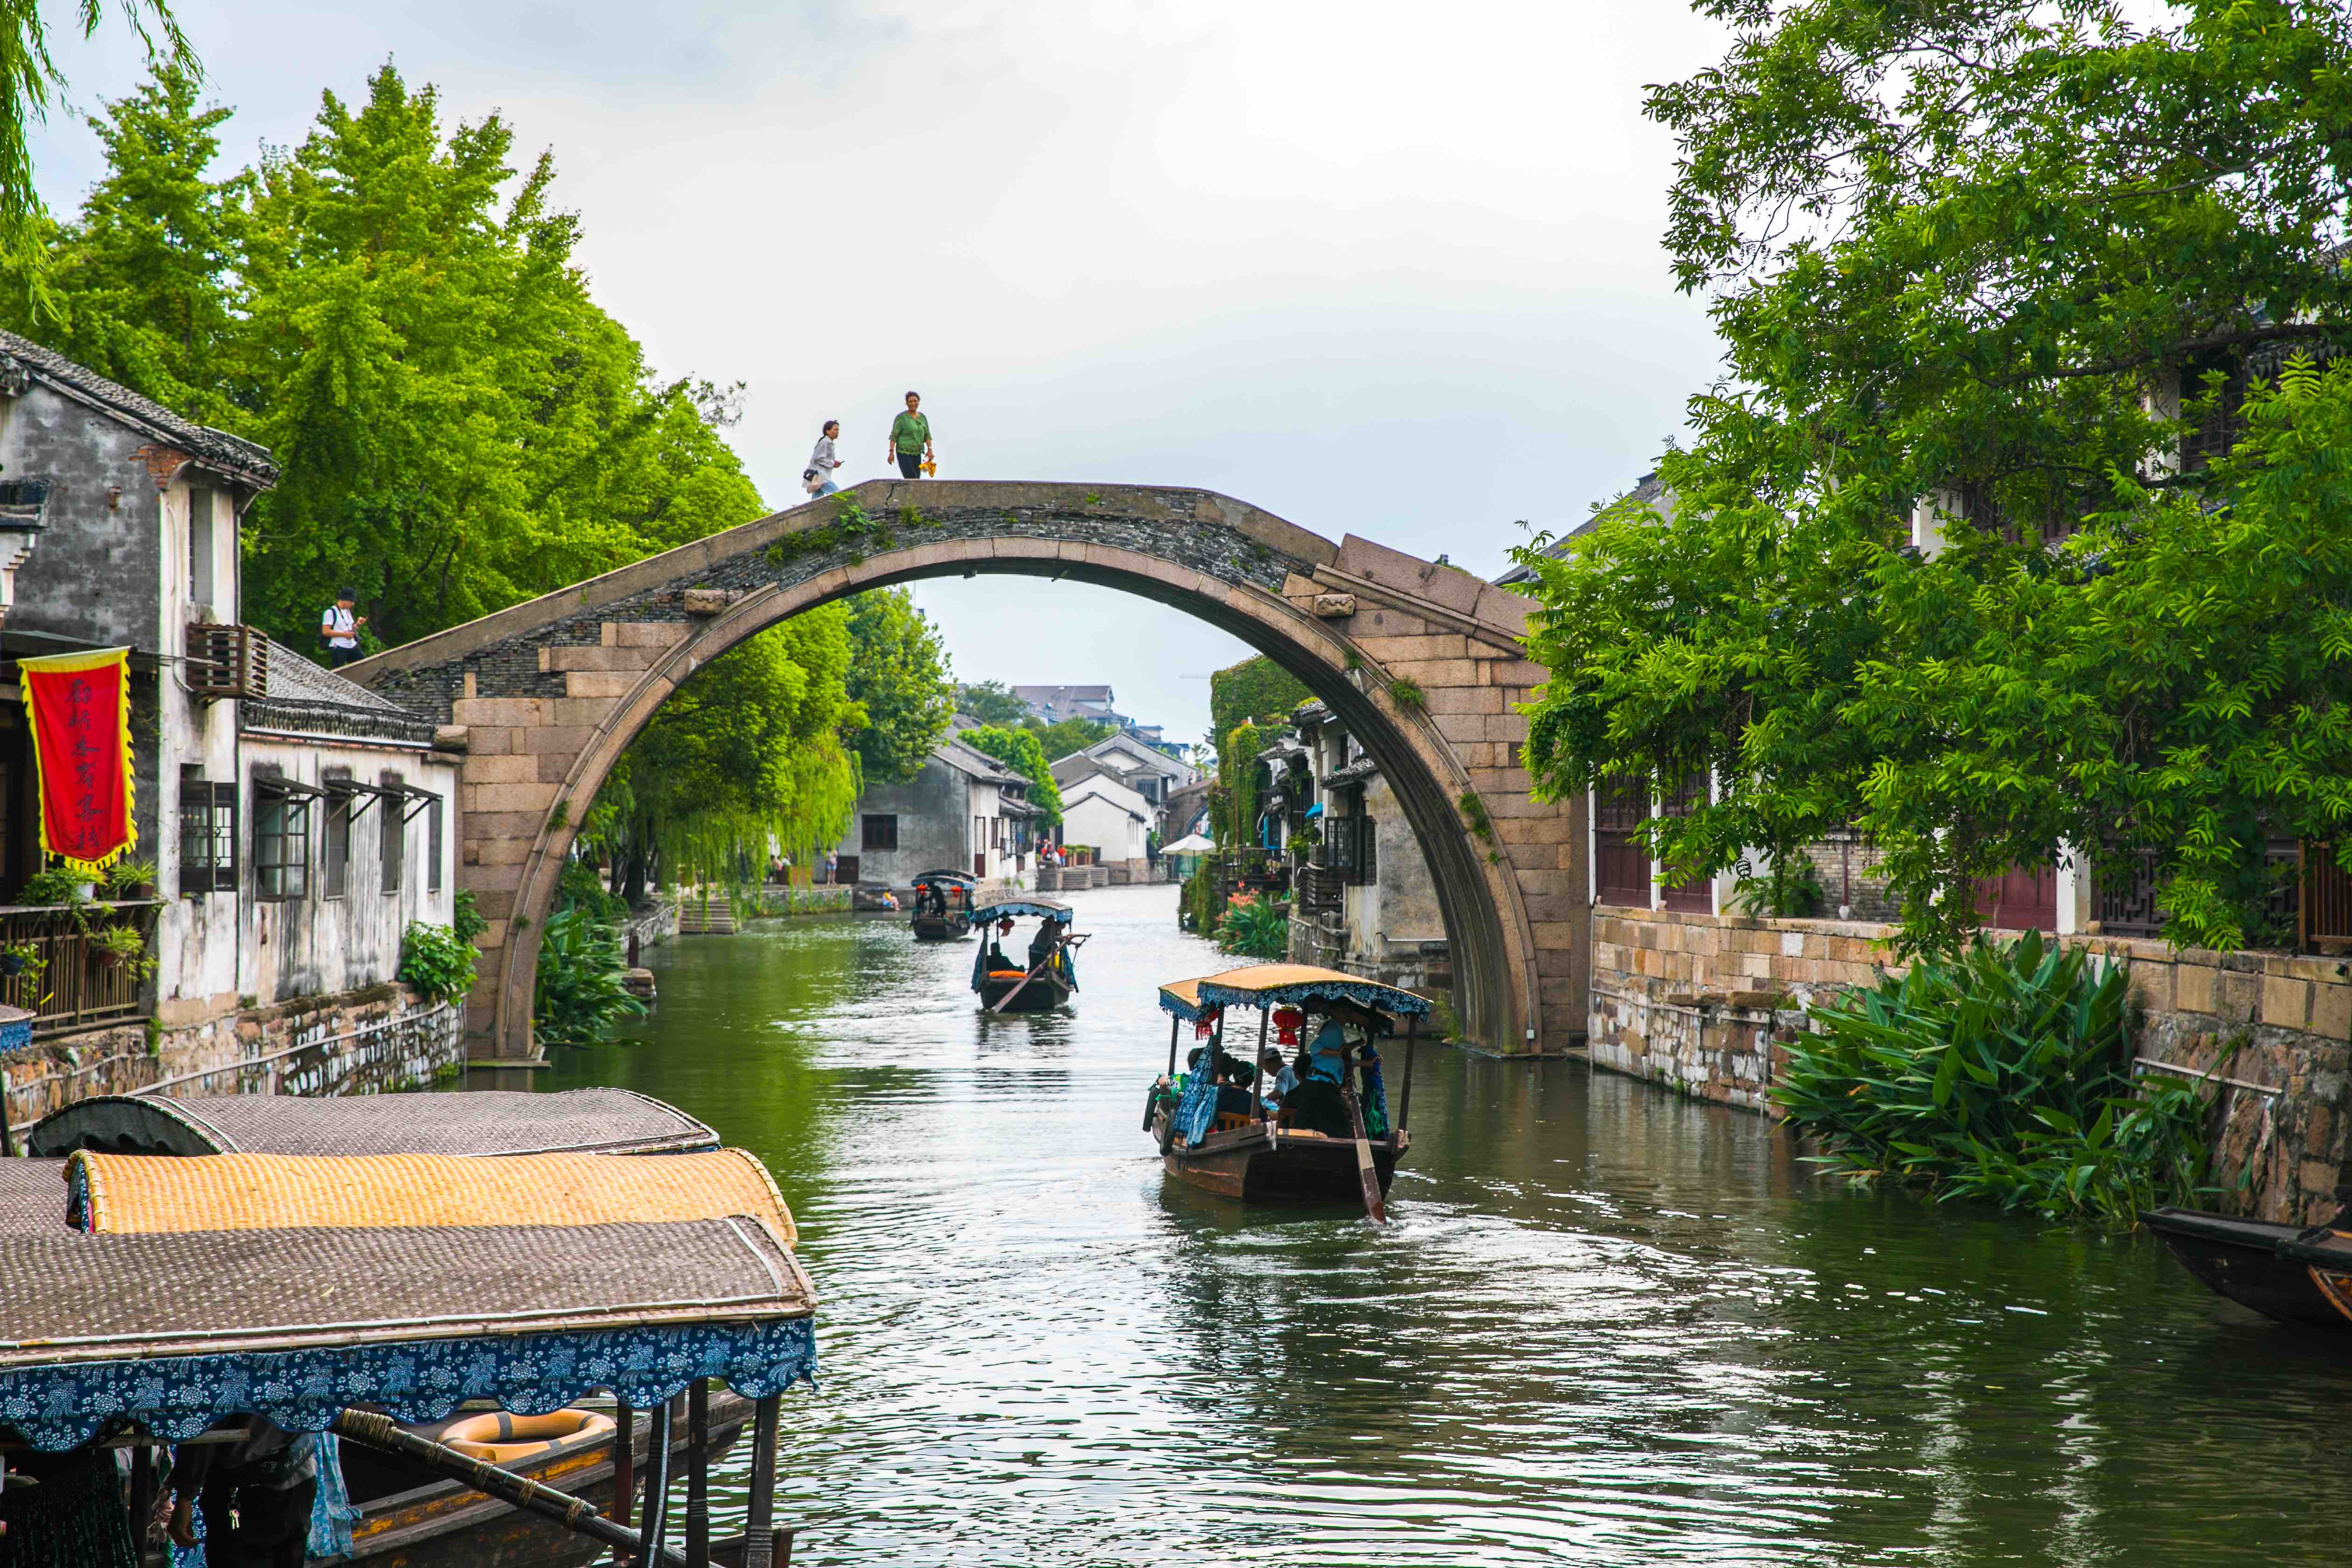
(1006, 1000)
(575, 1514)
(1366, 1172)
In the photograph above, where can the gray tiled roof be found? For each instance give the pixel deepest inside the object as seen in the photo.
(1649, 492)
(231, 455)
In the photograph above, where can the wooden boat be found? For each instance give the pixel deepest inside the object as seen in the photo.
(942, 903)
(2241, 1259)
(2324, 1252)
(1257, 1157)
(412, 1518)
(1004, 985)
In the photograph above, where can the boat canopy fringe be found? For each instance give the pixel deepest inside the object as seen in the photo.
(1275, 985)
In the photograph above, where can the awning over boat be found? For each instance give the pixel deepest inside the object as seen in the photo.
(966, 877)
(412, 1303)
(1014, 908)
(1301, 985)
(126, 1194)
(580, 1121)
(1183, 997)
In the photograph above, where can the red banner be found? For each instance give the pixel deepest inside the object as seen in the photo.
(80, 704)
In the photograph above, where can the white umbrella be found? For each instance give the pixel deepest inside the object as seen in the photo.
(1191, 844)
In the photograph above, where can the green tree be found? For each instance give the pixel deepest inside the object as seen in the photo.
(142, 285)
(748, 750)
(1254, 691)
(28, 75)
(460, 426)
(1060, 738)
(989, 702)
(900, 677)
(1995, 260)
(1019, 748)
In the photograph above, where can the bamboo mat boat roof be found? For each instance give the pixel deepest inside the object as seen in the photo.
(1273, 984)
(585, 1120)
(124, 1194)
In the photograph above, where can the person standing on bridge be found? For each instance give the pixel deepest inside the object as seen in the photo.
(910, 439)
(822, 462)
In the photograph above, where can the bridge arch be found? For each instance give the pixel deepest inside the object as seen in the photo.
(550, 693)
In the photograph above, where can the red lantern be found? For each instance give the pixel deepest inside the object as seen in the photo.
(1205, 1025)
(1286, 1022)
(1004, 928)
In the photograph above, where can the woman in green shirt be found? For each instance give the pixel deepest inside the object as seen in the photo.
(910, 437)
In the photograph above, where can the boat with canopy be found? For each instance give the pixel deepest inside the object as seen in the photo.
(1329, 1138)
(1046, 978)
(441, 1318)
(942, 902)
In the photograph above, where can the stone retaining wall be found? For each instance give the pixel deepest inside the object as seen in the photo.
(1702, 1002)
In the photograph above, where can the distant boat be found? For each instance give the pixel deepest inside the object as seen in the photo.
(942, 906)
(2248, 1261)
(1329, 1143)
(1004, 985)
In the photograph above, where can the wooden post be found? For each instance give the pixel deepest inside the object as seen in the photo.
(1404, 1098)
(142, 1498)
(624, 1467)
(1258, 1062)
(649, 1533)
(1175, 1025)
(759, 1527)
(698, 1474)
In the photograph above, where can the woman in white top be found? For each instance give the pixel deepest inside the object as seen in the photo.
(822, 462)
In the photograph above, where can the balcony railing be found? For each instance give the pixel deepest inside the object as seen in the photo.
(78, 983)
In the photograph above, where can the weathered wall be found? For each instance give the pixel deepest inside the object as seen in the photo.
(361, 1042)
(934, 813)
(1698, 1001)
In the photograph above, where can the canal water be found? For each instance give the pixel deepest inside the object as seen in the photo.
(1609, 1325)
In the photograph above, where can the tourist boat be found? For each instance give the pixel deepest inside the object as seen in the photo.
(119, 1254)
(2245, 1260)
(2324, 1253)
(943, 906)
(1255, 1159)
(1007, 985)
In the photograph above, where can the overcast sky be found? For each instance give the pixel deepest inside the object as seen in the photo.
(1380, 268)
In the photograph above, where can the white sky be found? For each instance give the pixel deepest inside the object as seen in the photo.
(1382, 269)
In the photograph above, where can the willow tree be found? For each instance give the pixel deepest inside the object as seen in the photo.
(1998, 259)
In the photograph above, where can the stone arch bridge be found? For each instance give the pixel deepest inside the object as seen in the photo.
(550, 693)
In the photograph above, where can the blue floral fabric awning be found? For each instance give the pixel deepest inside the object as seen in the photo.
(1014, 908)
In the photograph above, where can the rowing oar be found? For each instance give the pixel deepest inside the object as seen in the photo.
(1006, 1000)
(576, 1514)
(1366, 1172)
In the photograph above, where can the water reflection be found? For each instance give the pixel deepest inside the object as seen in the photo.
(1608, 1326)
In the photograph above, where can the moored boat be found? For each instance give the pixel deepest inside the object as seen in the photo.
(2324, 1252)
(943, 901)
(2242, 1260)
(1047, 979)
(1330, 1139)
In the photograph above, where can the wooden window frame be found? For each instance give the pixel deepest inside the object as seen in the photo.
(208, 826)
(874, 828)
(292, 805)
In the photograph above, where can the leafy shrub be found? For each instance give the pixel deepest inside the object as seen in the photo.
(1791, 889)
(55, 886)
(579, 888)
(436, 961)
(127, 874)
(1254, 928)
(2003, 1075)
(466, 917)
(580, 993)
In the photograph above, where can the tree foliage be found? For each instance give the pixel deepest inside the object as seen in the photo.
(1255, 690)
(991, 703)
(1064, 736)
(1019, 749)
(899, 677)
(1992, 261)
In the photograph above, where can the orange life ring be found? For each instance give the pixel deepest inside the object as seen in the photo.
(504, 1438)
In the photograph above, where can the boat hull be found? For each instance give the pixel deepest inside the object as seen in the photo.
(2238, 1258)
(444, 1524)
(1042, 994)
(941, 928)
(1290, 1167)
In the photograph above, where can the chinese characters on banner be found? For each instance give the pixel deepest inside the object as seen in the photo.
(79, 705)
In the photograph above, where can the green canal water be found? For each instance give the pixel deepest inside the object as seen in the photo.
(1608, 1326)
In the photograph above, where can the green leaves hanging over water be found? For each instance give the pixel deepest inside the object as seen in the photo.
(2003, 1075)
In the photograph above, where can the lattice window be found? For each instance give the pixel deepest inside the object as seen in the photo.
(207, 834)
(281, 841)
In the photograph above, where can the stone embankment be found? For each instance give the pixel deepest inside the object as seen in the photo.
(1706, 1003)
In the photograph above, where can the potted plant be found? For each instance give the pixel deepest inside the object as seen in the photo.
(56, 885)
(123, 947)
(23, 958)
(131, 880)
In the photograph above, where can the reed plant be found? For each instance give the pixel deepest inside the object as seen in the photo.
(2003, 1076)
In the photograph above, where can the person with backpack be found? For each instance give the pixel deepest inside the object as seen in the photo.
(817, 479)
(910, 439)
(339, 630)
